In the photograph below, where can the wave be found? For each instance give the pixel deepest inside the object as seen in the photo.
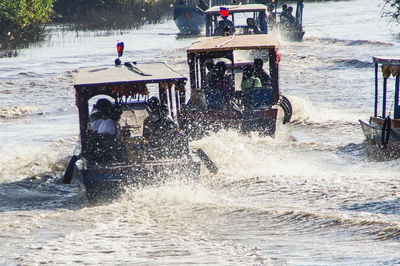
(304, 112)
(18, 111)
(21, 161)
(375, 227)
(348, 42)
(354, 63)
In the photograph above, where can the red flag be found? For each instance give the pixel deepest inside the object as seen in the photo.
(223, 11)
(120, 48)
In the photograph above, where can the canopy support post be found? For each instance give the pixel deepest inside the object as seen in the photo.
(396, 114)
(376, 90)
(384, 97)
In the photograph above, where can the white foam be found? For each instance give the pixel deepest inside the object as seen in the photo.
(18, 110)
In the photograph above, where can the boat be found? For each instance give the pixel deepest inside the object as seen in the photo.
(239, 15)
(279, 23)
(383, 129)
(189, 16)
(103, 164)
(255, 110)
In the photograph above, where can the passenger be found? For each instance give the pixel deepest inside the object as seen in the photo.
(103, 144)
(283, 17)
(220, 88)
(271, 19)
(103, 118)
(291, 20)
(225, 27)
(251, 27)
(209, 63)
(249, 81)
(260, 73)
(161, 132)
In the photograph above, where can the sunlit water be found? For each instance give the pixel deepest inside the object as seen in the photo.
(310, 196)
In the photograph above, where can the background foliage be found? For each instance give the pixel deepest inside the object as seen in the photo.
(23, 21)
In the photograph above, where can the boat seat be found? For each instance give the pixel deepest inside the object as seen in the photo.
(258, 97)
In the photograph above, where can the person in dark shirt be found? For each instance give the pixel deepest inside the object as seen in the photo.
(225, 27)
(162, 133)
(260, 73)
(219, 89)
(251, 27)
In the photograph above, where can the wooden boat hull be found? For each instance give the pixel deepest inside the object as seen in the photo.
(109, 181)
(373, 135)
(189, 19)
(295, 35)
(262, 121)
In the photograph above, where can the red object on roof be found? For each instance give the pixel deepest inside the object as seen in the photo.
(223, 11)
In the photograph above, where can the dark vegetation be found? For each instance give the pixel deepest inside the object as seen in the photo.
(110, 14)
(23, 21)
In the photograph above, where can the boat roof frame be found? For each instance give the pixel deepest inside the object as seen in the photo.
(125, 75)
(390, 66)
(234, 42)
(393, 61)
(237, 9)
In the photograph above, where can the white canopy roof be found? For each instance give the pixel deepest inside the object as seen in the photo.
(123, 75)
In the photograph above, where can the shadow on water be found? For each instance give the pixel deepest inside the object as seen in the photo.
(368, 152)
(45, 192)
(378, 207)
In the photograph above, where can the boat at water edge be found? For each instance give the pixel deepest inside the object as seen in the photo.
(383, 131)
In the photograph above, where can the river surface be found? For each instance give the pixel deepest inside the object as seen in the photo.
(311, 195)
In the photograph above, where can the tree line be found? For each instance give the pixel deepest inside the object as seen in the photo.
(23, 21)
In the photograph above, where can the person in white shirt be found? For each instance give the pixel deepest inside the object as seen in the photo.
(101, 118)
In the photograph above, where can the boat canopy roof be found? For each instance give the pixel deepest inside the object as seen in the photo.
(234, 42)
(237, 8)
(394, 61)
(126, 74)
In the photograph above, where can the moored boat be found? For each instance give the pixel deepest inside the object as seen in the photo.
(383, 130)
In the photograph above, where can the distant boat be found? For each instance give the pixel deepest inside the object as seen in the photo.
(383, 131)
(280, 21)
(189, 16)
